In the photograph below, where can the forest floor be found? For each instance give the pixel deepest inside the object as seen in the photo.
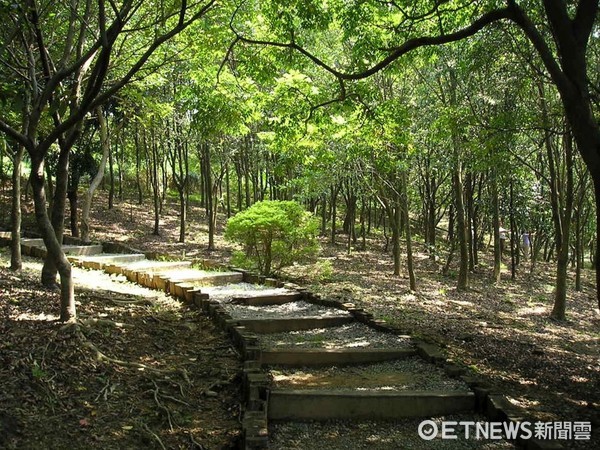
(138, 369)
(501, 332)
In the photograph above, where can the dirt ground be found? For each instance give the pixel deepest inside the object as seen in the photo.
(501, 333)
(138, 370)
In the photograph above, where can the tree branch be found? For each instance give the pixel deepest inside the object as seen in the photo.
(395, 53)
(584, 20)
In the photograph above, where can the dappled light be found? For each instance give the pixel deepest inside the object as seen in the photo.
(191, 191)
(132, 354)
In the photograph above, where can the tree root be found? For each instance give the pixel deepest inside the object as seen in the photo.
(153, 434)
(100, 356)
(162, 407)
(88, 322)
(122, 300)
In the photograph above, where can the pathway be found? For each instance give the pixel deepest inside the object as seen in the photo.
(311, 359)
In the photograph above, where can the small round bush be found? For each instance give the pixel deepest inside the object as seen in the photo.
(274, 234)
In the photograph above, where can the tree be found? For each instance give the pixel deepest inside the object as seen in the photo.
(274, 234)
(97, 179)
(67, 55)
(563, 52)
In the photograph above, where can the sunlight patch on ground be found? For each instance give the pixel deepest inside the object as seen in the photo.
(37, 317)
(535, 310)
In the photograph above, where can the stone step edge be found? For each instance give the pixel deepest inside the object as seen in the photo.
(274, 325)
(287, 404)
(320, 357)
(488, 402)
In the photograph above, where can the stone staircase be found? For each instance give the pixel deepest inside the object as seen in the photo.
(379, 374)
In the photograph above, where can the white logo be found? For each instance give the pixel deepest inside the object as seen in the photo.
(428, 430)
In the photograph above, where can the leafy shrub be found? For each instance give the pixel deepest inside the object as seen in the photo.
(274, 234)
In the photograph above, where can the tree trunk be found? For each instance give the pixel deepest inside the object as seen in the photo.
(562, 262)
(457, 177)
(513, 233)
(496, 226)
(334, 193)
(470, 220)
(155, 181)
(394, 214)
(409, 255)
(16, 262)
(210, 201)
(73, 197)
(228, 190)
(111, 172)
(50, 268)
(53, 245)
(89, 196)
(138, 182)
(324, 215)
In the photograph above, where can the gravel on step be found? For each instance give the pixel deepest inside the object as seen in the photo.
(352, 335)
(285, 311)
(358, 435)
(394, 376)
(228, 292)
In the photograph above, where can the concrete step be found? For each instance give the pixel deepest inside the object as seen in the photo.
(365, 404)
(100, 261)
(36, 248)
(143, 271)
(167, 280)
(33, 242)
(82, 249)
(292, 323)
(269, 299)
(317, 357)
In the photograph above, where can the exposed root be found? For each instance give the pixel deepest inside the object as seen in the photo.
(122, 300)
(100, 356)
(153, 434)
(106, 322)
(195, 443)
(161, 406)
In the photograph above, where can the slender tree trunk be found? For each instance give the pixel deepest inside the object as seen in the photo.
(363, 226)
(208, 187)
(462, 229)
(16, 262)
(73, 197)
(578, 252)
(228, 190)
(496, 226)
(513, 234)
(155, 181)
(138, 182)
(324, 215)
(111, 172)
(395, 221)
(334, 193)
(246, 166)
(562, 262)
(120, 157)
(89, 196)
(469, 210)
(408, 234)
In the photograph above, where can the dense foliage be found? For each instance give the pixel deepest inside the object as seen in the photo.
(442, 121)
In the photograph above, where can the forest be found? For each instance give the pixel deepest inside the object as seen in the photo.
(433, 140)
